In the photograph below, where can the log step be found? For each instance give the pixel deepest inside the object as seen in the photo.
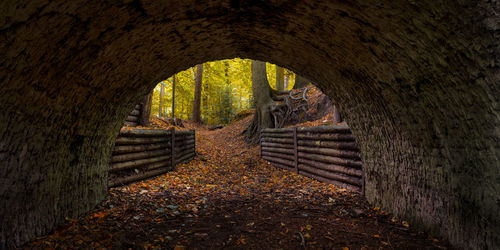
(334, 182)
(326, 137)
(130, 124)
(122, 149)
(278, 150)
(329, 144)
(136, 141)
(330, 175)
(331, 152)
(132, 118)
(139, 155)
(135, 112)
(136, 164)
(276, 145)
(331, 159)
(142, 176)
(145, 132)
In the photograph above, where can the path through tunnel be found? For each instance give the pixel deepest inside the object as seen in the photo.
(227, 197)
(417, 81)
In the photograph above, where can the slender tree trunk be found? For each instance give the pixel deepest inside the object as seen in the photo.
(162, 93)
(226, 72)
(196, 117)
(204, 100)
(280, 78)
(228, 95)
(173, 97)
(182, 109)
(300, 82)
(145, 110)
(240, 105)
(263, 101)
(214, 113)
(286, 81)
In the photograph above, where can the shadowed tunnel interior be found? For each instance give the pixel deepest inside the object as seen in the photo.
(418, 82)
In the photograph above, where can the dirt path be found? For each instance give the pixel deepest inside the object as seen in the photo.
(229, 198)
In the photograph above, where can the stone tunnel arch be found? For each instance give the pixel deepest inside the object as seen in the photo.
(417, 80)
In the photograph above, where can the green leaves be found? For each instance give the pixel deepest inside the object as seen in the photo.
(226, 90)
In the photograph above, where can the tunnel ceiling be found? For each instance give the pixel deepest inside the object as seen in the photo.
(418, 82)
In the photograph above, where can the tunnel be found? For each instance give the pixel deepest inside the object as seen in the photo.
(417, 81)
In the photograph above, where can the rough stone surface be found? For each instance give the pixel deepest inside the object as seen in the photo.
(418, 82)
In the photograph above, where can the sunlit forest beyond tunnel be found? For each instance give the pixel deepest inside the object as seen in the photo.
(345, 124)
(226, 88)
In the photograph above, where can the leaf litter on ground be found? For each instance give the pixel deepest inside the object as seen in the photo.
(229, 197)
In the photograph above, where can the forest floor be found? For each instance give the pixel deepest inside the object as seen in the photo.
(228, 197)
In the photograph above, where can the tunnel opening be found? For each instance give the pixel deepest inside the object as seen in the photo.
(431, 129)
(142, 153)
(225, 97)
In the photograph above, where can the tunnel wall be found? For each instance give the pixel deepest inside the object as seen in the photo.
(418, 82)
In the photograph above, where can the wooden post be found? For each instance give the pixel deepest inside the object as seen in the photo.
(296, 161)
(260, 139)
(172, 148)
(194, 143)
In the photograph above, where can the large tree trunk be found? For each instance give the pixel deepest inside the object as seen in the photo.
(196, 117)
(300, 82)
(280, 73)
(287, 77)
(146, 110)
(262, 98)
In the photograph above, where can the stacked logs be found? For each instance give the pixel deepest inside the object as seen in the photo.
(143, 153)
(133, 118)
(328, 153)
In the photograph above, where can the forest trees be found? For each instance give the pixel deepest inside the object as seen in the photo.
(262, 97)
(225, 89)
(196, 117)
(162, 93)
(280, 78)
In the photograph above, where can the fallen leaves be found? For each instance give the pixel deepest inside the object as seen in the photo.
(241, 241)
(405, 224)
(100, 214)
(228, 197)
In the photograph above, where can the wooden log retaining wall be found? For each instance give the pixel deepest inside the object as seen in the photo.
(327, 153)
(142, 153)
(132, 119)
